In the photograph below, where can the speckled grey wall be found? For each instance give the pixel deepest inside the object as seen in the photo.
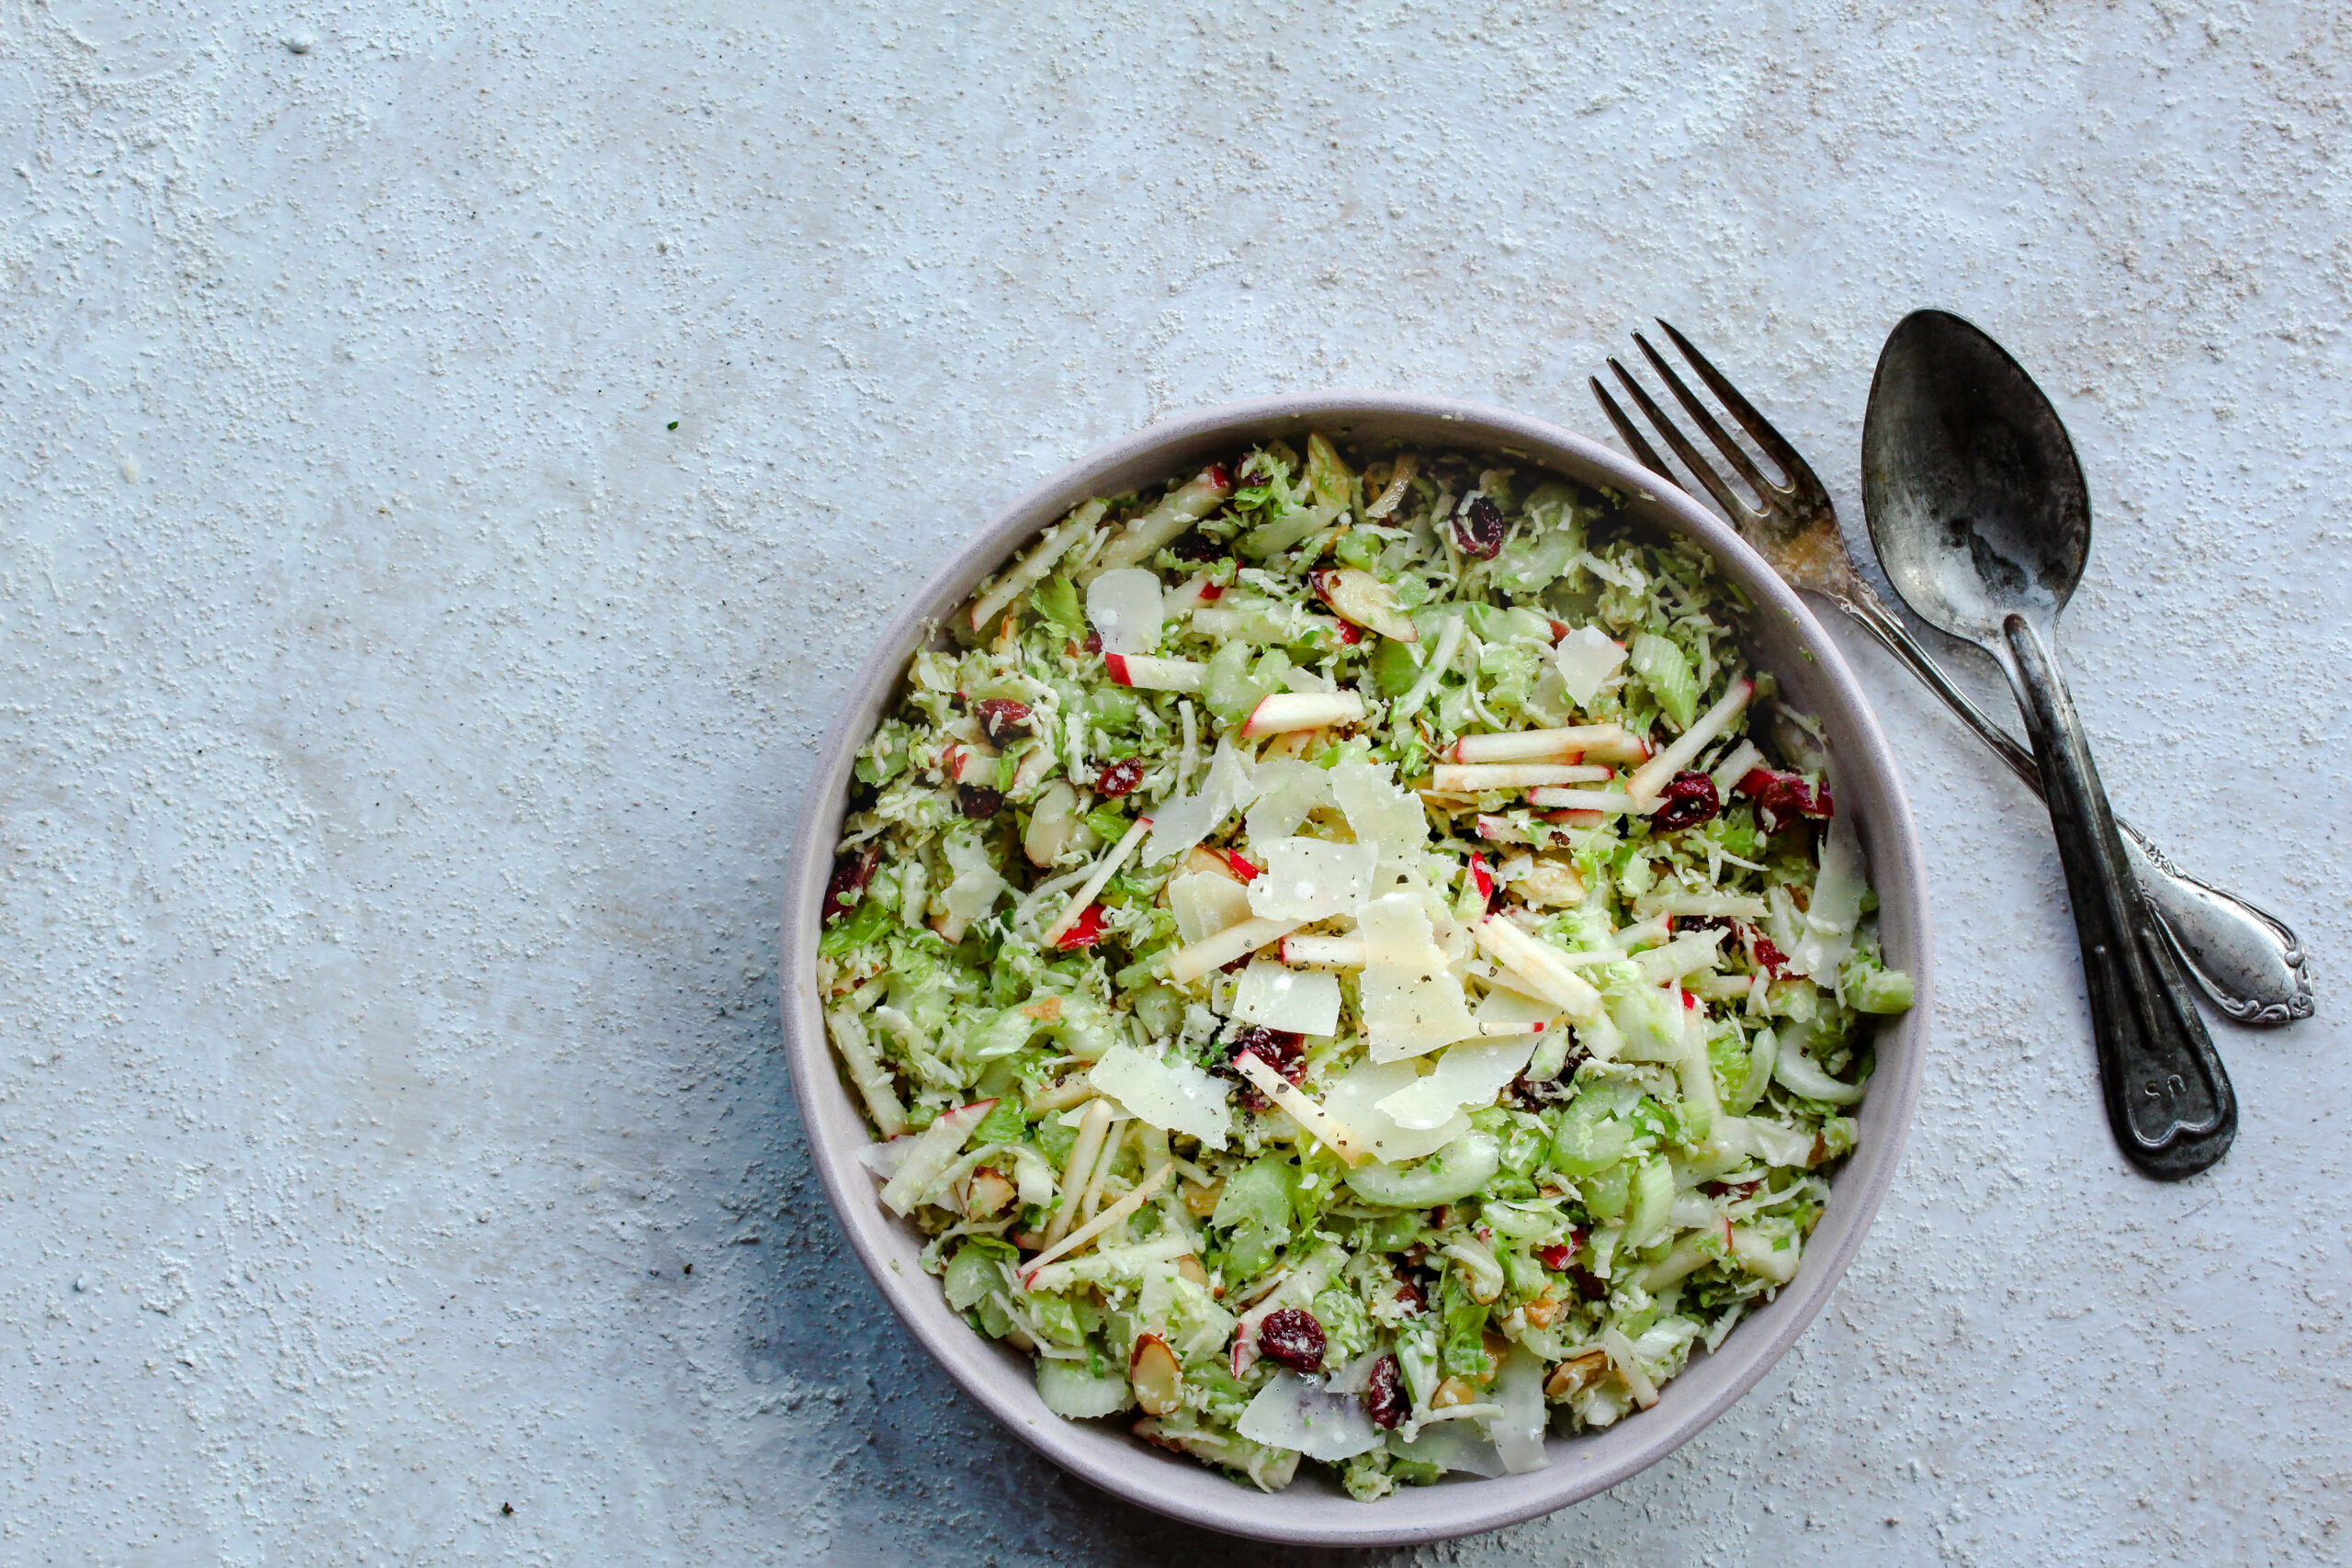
(451, 458)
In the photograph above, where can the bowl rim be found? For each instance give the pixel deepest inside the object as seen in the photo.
(1867, 777)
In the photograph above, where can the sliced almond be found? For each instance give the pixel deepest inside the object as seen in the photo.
(1577, 1373)
(1158, 1380)
(1362, 599)
(1451, 1392)
(988, 1194)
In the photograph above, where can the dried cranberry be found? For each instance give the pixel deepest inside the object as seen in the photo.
(1093, 643)
(1688, 799)
(1589, 1285)
(1119, 778)
(1778, 795)
(1197, 546)
(1278, 1048)
(979, 803)
(1769, 958)
(1384, 1397)
(1002, 719)
(1217, 477)
(1291, 1335)
(1478, 528)
(847, 885)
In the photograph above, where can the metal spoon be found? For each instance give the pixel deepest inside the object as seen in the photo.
(2246, 958)
(1981, 518)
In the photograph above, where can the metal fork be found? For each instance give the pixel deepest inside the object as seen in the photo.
(2248, 960)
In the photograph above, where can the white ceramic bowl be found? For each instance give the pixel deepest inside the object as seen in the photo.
(1784, 637)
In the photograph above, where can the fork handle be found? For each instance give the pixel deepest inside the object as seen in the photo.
(2248, 960)
(2168, 1098)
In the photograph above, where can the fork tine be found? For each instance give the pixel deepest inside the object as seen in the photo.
(1707, 476)
(1731, 450)
(1774, 444)
(1643, 452)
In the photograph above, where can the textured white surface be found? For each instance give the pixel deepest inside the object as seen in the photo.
(401, 722)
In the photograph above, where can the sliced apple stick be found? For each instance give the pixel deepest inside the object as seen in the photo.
(1652, 777)
(1323, 952)
(1117, 1213)
(1474, 778)
(1537, 966)
(1183, 600)
(1613, 801)
(1503, 1031)
(1147, 536)
(1036, 563)
(1625, 753)
(1302, 710)
(935, 1150)
(1104, 869)
(1094, 1123)
(1189, 962)
(1151, 674)
(1537, 745)
(1733, 768)
(1302, 1107)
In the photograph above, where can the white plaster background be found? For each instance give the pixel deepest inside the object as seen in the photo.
(402, 724)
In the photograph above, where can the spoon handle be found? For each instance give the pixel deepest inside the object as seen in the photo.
(2168, 1098)
(2253, 966)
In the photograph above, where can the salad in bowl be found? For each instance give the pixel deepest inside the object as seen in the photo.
(1345, 960)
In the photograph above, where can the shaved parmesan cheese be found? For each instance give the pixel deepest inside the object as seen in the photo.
(1356, 1098)
(1179, 824)
(1125, 607)
(1454, 1445)
(1303, 1001)
(1835, 907)
(1205, 903)
(1518, 1432)
(1177, 1096)
(1584, 659)
(1411, 1003)
(1470, 1074)
(1504, 1005)
(1379, 812)
(1295, 1412)
(974, 890)
(1310, 879)
(1287, 790)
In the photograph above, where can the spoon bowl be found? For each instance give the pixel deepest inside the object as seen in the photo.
(1978, 510)
(1977, 505)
